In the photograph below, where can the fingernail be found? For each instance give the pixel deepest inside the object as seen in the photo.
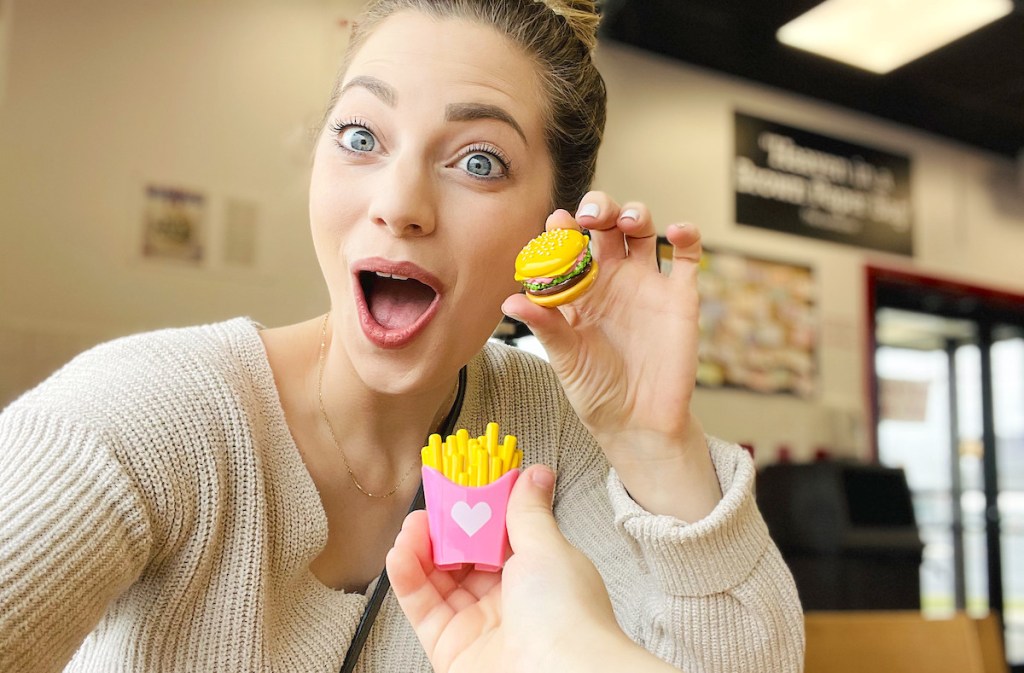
(631, 214)
(514, 317)
(589, 210)
(543, 477)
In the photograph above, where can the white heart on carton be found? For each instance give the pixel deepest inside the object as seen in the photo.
(471, 519)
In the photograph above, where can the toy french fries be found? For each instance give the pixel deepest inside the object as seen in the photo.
(466, 484)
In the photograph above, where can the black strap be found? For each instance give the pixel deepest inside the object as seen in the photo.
(383, 583)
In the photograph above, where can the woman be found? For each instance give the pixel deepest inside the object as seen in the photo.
(223, 497)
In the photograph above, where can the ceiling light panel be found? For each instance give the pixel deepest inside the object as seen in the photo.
(882, 35)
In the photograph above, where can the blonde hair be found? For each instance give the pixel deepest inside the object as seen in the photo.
(560, 35)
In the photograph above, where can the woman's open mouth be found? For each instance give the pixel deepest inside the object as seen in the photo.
(396, 300)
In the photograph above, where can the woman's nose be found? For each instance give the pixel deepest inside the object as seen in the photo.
(404, 201)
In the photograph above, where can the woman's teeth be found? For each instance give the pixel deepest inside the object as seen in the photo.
(391, 275)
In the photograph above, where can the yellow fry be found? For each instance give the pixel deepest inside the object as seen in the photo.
(434, 445)
(517, 459)
(508, 448)
(492, 438)
(497, 469)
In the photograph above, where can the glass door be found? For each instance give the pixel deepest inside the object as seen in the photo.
(924, 375)
(1007, 358)
(947, 374)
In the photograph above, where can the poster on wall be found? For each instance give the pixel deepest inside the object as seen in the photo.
(797, 182)
(172, 224)
(758, 323)
(903, 400)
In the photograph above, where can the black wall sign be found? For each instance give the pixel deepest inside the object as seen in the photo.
(802, 183)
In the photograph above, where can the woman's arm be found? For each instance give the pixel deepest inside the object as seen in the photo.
(73, 536)
(625, 353)
(694, 576)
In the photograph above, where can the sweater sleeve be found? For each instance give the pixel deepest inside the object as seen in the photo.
(74, 534)
(724, 568)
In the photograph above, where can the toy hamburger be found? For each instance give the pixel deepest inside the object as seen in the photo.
(556, 267)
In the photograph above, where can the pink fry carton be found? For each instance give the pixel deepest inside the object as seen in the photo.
(467, 523)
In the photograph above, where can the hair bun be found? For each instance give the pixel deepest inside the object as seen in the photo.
(582, 17)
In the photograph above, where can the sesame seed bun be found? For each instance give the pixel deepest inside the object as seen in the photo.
(556, 267)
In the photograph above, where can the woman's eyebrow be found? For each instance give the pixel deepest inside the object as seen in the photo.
(377, 87)
(464, 112)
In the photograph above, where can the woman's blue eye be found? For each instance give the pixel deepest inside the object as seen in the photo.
(482, 165)
(478, 164)
(358, 139)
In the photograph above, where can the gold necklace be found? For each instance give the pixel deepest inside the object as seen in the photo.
(330, 427)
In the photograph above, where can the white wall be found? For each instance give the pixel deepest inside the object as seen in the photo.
(107, 96)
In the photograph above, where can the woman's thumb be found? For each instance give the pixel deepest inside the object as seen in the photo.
(529, 519)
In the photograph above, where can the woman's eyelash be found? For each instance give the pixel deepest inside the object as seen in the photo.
(490, 149)
(340, 125)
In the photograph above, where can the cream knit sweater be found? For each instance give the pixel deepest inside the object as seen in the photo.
(155, 515)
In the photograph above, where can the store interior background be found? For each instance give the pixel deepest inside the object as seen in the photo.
(100, 99)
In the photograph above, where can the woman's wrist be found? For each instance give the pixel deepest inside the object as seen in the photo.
(674, 477)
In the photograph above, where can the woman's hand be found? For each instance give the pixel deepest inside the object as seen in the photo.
(626, 354)
(548, 610)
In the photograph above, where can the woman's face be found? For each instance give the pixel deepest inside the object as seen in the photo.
(430, 175)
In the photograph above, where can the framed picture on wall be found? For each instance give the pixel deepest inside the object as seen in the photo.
(758, 324)
(173, 224)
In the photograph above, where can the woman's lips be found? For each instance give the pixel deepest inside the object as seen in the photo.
(392, 314)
